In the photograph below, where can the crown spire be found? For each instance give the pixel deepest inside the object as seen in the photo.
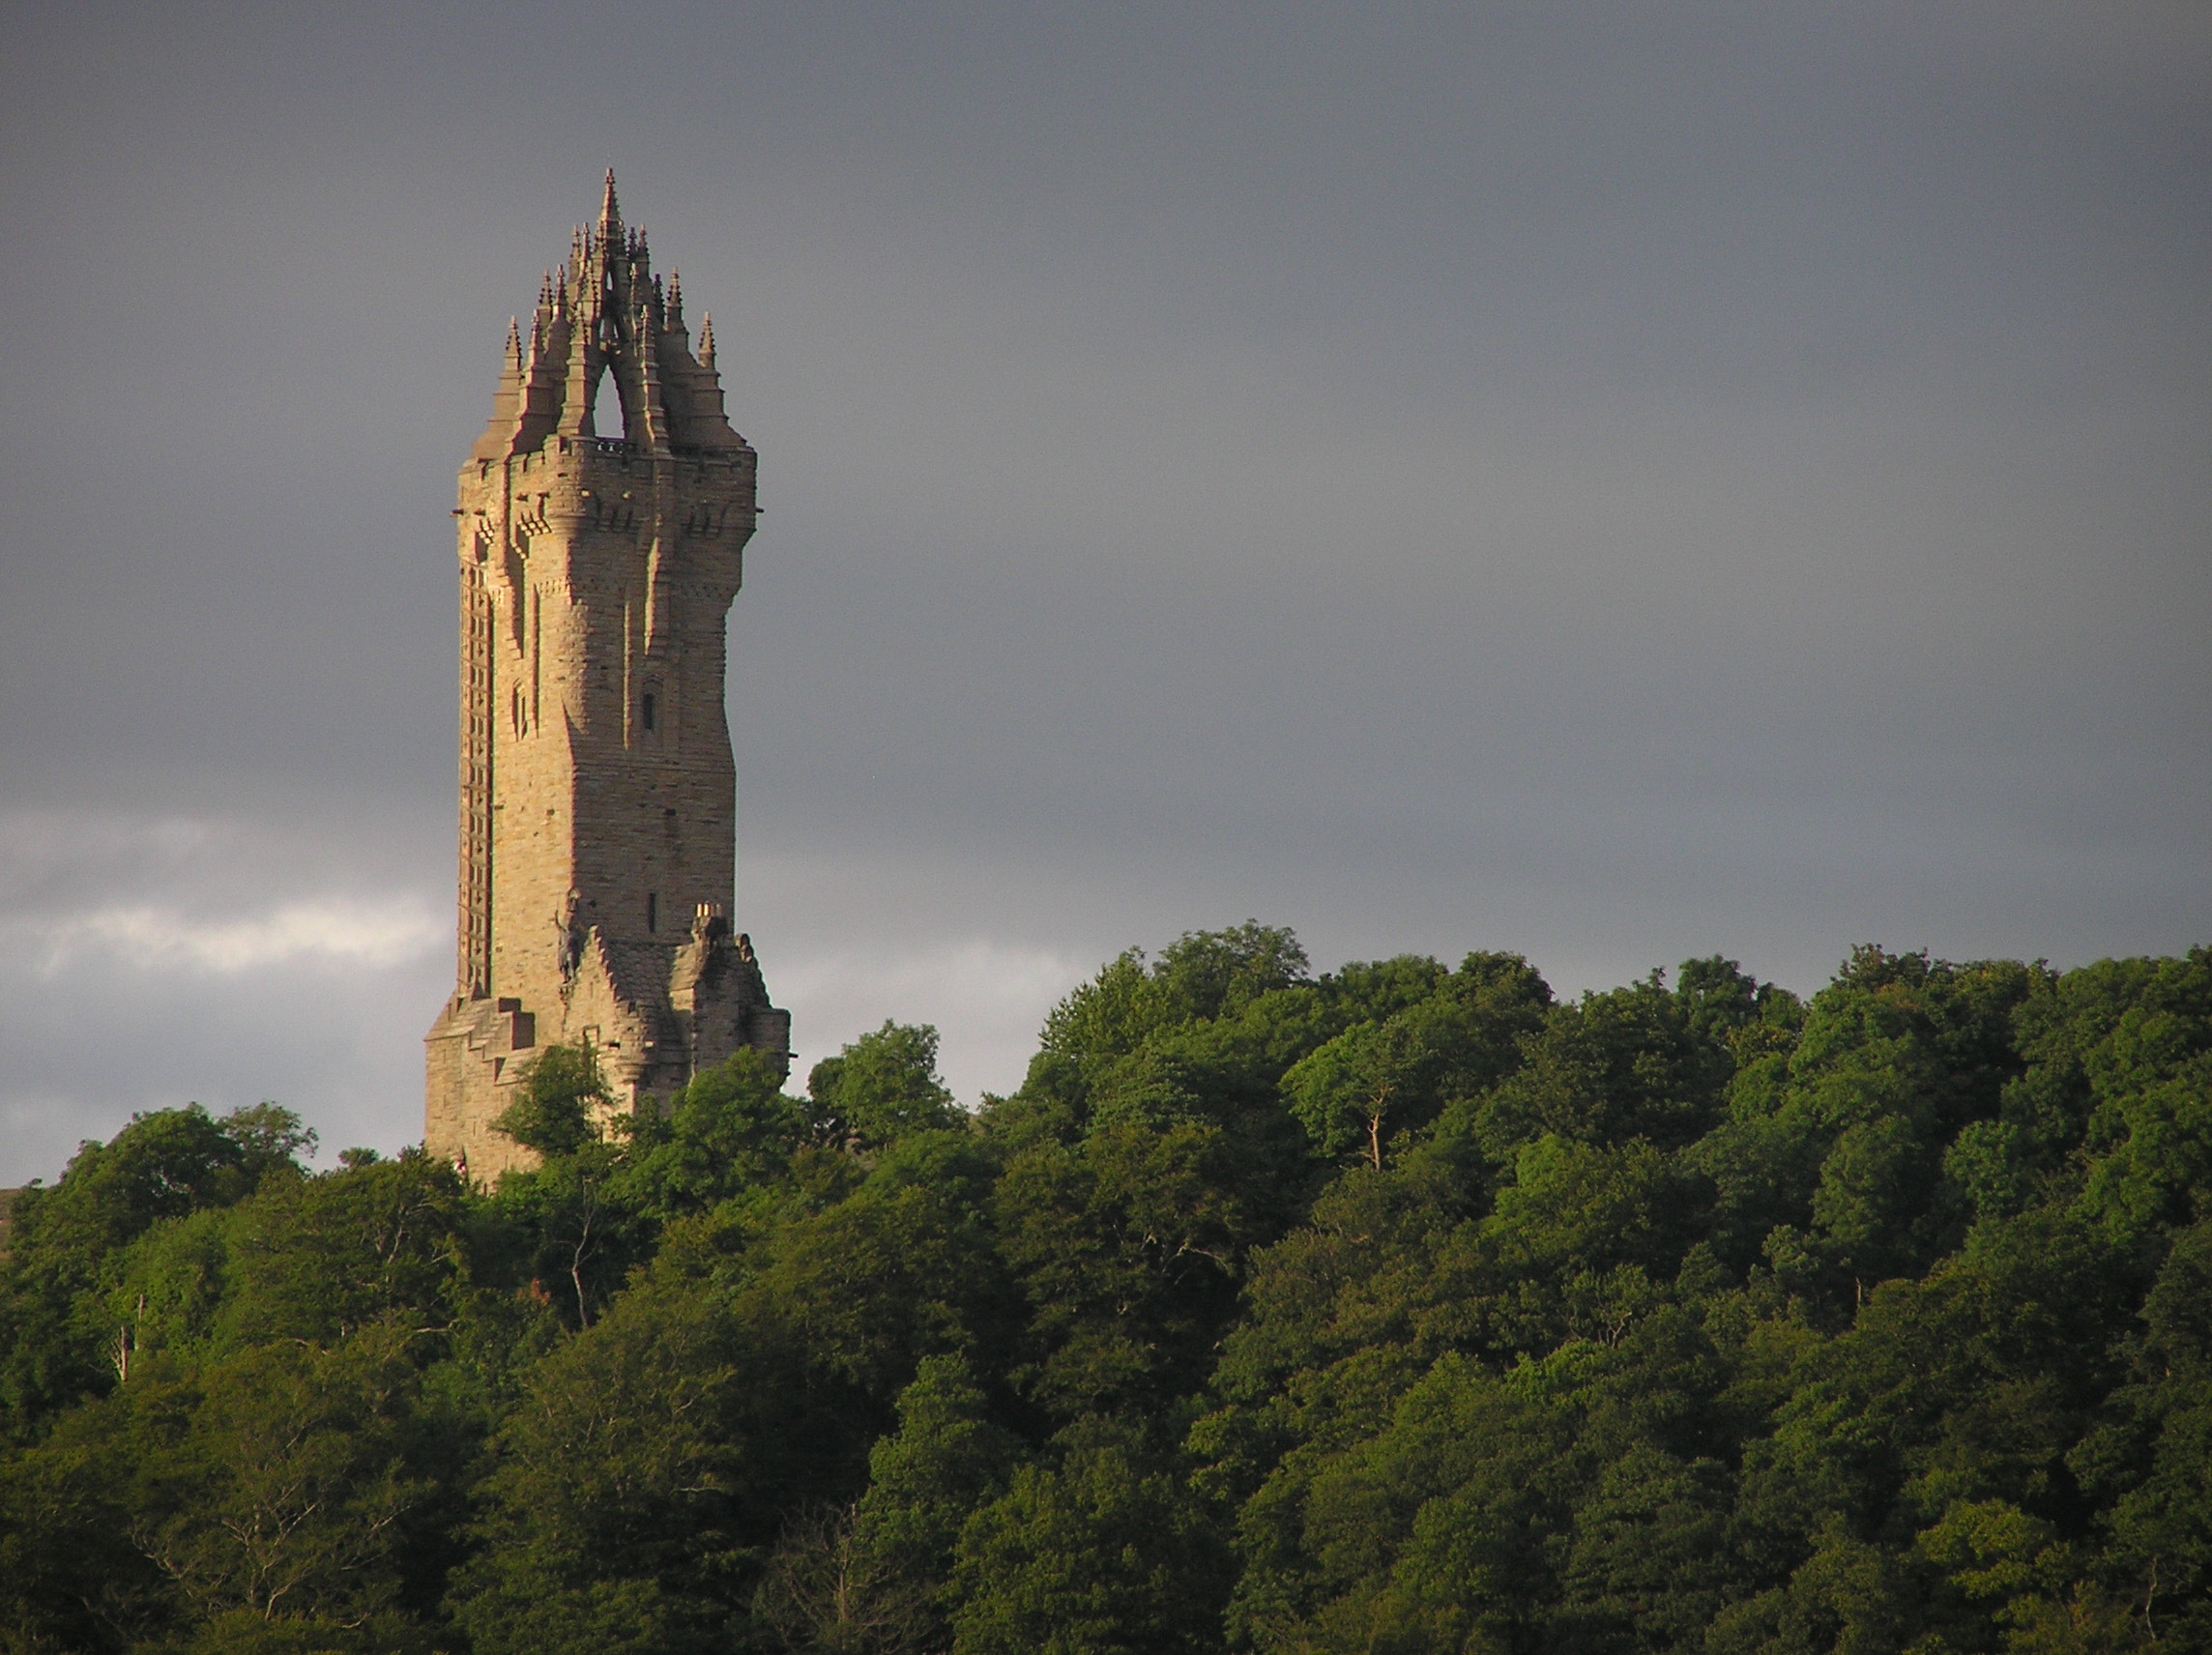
(605, 312)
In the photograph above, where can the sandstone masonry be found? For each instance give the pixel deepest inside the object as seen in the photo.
(597, 790)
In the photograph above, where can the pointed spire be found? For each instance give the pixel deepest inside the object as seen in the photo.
(605, 310)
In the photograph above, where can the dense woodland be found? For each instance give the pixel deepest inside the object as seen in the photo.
(1404, 1309)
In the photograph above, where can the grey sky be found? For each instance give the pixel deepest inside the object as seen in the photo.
(1615, 481)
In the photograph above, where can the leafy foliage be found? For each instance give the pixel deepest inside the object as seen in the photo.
(1400, 1308)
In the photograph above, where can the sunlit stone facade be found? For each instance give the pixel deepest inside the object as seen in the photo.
(597, 788)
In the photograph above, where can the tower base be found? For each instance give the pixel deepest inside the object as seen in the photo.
(654, 1017)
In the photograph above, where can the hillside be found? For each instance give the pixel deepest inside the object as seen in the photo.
(1401, 1308)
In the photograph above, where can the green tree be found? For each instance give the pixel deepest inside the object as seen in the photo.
(880, 1088)
(1203, 975)
(582, 1216)
(873, 1576)
(1383, 1078)
(729, 1131)
(559, 1103)
(58, 1340)
(1105, 1552)
(947, 1458)
(617, 1508)
(321, 1258)
(1129, 1247)
(1671, 1317)
(268, 1498)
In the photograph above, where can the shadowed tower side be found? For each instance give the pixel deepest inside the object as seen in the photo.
(597, 788)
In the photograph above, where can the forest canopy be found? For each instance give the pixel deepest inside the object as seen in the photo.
(1407, 1308)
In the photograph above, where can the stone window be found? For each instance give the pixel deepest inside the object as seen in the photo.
(652, 910)
(649, 710)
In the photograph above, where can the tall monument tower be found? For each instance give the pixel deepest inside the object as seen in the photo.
(599, 795)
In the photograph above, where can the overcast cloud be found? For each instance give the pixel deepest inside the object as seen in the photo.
(1615, 481)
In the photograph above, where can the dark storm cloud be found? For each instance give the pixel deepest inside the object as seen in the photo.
(1615, 481)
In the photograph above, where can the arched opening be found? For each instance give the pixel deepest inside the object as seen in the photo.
(606, 408)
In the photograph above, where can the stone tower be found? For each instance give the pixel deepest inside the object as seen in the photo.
(599, 795)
